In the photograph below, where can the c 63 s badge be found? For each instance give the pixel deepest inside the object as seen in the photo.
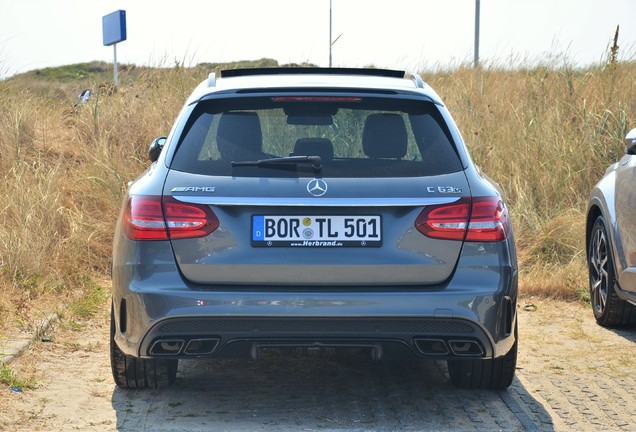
(444, 189)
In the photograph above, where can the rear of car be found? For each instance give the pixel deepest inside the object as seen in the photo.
(314, 209)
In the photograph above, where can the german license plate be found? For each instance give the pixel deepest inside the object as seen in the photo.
(317, 231)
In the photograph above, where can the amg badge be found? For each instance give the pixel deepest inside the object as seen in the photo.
(193, 189)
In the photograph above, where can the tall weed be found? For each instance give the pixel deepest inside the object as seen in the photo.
(546, 135)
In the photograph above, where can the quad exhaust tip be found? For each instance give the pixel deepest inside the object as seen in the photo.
(466, 348)
(201, 346)
(441, 347)
(190, 347)
(432, 346)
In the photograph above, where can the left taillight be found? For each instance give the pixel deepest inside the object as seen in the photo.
(163, 218)
(480, 219)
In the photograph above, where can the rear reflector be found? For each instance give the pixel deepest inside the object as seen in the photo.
(153, 218)
(482, 219)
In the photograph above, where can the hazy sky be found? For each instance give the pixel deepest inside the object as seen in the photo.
(401, 34)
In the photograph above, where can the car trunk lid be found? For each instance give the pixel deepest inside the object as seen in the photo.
(316, 231)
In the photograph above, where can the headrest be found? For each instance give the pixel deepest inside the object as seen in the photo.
(240, 130)
(384, 136)
(314, 147)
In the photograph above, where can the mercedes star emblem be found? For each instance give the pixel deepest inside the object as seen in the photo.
(317, 187)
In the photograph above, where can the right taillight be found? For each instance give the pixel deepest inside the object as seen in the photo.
(156, 218)
(480, 219)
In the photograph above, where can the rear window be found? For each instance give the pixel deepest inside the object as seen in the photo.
(353, 136)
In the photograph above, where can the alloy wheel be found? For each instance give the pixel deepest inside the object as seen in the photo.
(598, 265)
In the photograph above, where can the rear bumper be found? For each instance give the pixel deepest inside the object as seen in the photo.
(473, 314)
(249, 337)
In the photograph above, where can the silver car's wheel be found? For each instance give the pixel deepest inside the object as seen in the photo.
(598, 265)
(609, 309)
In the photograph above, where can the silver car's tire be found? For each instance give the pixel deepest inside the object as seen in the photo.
(489, 374)
(609, 309)
(135, 373)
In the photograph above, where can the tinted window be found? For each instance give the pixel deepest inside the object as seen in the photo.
(354, 137)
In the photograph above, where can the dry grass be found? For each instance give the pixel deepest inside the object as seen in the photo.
(546, 135)
(63, 171)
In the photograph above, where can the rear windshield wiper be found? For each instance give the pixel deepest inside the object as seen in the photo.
(315, 161)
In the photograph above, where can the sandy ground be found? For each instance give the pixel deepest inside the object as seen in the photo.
(572, 376)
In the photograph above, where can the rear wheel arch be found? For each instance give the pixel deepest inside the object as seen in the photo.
(593, 213)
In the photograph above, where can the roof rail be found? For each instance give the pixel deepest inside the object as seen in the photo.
(312, 70)
(419, 82)
(212, 79)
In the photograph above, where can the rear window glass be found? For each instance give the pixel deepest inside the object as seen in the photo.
(353, 136)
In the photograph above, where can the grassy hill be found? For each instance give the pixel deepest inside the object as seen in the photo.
(545, 134)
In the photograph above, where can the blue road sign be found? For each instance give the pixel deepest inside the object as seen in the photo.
(114, 27)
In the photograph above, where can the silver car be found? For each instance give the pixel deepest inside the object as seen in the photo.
(611, 241)
(313, 210)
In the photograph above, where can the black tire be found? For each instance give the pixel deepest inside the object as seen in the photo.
(609, 310)
(489, 374)
(134, 373)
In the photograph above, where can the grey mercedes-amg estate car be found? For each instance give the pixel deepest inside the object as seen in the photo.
(311, 210)
(611, 241)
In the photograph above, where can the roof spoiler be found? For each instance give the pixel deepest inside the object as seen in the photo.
(387, 73)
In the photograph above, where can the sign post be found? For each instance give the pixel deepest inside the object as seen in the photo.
(477, 19)
(114, 31)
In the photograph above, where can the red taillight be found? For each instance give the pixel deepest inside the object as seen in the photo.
(482, 219)
(488, 221)
(151, 218)
(447, 221)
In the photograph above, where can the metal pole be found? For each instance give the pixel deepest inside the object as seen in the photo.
(476, 59)
(115, 65)
(330, 44)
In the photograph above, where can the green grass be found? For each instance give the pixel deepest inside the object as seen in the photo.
(75, 72)
(10, 378)
(91, 302)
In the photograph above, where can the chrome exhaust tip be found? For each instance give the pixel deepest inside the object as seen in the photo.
(167, 347)
(201, 346)
(466, 348)
(432, 346)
